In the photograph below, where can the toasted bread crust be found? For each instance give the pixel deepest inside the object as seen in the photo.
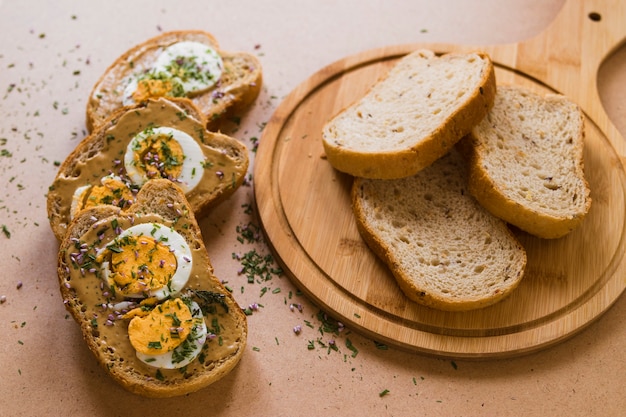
(402, 161)
(162, 200)
(239, 87)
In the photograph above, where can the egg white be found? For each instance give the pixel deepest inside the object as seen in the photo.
(208, 61)
(178, 247)
(194, 341)
(193, 158)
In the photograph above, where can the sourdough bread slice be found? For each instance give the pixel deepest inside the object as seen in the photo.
(444, 250)
(214, 165)
(236, 89)
(104, 314)
(413, 116)
(526, 162)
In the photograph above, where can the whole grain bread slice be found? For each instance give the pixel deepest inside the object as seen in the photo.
(237, 88)
(411, 117)
(444, 250)
(96, 309)
(223, 169)
(526, 162)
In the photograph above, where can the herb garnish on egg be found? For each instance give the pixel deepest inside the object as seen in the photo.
(171, 335)
(111, 190)
(147, 259)
(164, 152)
(182, 69)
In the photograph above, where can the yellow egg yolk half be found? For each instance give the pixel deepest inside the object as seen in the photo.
(140, 264)
(112, 191)
(152, 88)
(164, 329)
(159, 156)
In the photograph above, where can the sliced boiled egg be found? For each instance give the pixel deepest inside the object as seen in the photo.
(164, 152)
(146, 260)
(170, 336)
(181, 69)
(111, 190)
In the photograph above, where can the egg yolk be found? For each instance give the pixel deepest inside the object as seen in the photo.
(139, 265)
(159, 157)
(111, 191)
(163, 329)
(152, 88)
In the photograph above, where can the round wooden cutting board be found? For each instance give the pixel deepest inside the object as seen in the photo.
(305, 211)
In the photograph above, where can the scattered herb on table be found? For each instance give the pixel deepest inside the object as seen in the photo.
(380, 346)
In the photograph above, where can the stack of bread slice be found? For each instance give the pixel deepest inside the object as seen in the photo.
(132, 266)
(444, 160)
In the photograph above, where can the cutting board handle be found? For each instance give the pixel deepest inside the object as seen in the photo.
(568, 54)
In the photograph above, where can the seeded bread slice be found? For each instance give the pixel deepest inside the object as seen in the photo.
(444, 250)
(225, 159)
(105, 330)
(413, 116)
(238, 87)
(526, 162)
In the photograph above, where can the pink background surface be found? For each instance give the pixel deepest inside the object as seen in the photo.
(50, 56)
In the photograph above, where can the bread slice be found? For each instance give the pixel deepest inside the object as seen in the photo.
(104, 315)
(527, 162)
(238, 86)
(218, 162)
(413, 116)
(444, 250)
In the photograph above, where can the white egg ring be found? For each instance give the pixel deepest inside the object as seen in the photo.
(129, 90)
(193, 158)
(178, 247)
(208, 60)
(199, 335)
(76, 199)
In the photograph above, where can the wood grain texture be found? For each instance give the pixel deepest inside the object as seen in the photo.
(304, 205)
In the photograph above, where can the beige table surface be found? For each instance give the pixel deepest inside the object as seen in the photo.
(51, 53)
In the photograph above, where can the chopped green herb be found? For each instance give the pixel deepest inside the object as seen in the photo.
(208, 298)
(154, 345)
(351, 347)
(383, 393)
(6, 231)
(380, 346)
